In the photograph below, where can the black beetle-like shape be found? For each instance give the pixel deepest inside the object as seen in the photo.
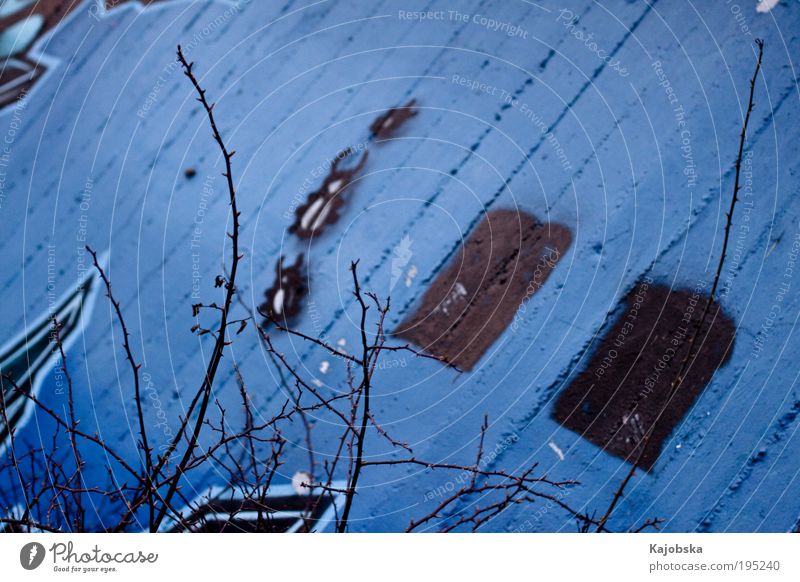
(322, 206)
(283, 298)
(385, 125)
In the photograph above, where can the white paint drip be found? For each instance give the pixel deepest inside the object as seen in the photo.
(556, 450)
(766, 5)
(322, 216)
(310, 213)
(410, 274)
(277, 302)
(334, 186)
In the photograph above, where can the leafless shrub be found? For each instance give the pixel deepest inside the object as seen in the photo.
(148, 491)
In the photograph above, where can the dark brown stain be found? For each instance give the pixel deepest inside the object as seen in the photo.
(283, 299)
(323, 205)
(387, 124)
(476, 297)
(615, 400)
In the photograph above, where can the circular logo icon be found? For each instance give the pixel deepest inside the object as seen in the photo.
(31, 555)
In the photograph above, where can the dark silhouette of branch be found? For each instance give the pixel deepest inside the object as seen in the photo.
(15, 464)
(230, 293)
(28, 524)
(250, 456)
(294, 395)
(366, 382)
(67, 427)
(338, 353)
(514, 489)
(148, 458)
(653, 523)
(688, 359)
(78, 477)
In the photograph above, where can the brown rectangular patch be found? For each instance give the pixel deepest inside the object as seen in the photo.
(615, 400)
(504, 262)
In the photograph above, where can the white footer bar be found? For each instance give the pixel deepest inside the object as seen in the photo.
(364, 557)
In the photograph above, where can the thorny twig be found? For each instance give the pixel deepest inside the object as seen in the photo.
(148, 458)
(78, 476)
(366, 384)
(688, 359)
(252, 470)
(230, 292)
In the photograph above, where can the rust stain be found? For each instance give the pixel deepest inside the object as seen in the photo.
(502, 264)
(387, 124)
(616, 399)
(323, 205)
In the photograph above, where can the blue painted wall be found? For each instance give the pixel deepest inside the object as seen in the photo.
(99, 149)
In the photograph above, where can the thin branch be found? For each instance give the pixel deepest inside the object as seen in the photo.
(73, 424)
(365, 391)
(148, 459)
(230, 292)
(689, 358)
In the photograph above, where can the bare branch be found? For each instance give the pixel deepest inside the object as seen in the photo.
(689, 357)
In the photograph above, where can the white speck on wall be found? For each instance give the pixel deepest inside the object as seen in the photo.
(324, 367)
(556, 450)
(772, 248)
(300, 479)
(317, 382)
(410, 274)
(456, 294)
(341, 342)
(766, 5)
